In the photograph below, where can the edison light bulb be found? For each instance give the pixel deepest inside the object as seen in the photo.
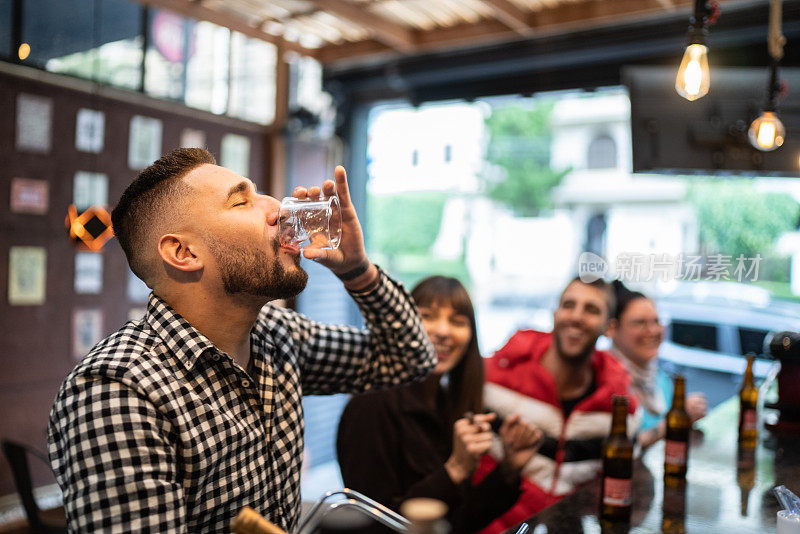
(767, 132)
(693, 77)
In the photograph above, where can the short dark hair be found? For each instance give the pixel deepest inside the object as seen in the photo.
(602, 285)
(624, 297)
(149, 198)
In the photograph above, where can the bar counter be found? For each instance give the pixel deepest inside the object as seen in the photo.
(726, 492)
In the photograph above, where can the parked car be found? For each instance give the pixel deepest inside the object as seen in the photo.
(707, 340)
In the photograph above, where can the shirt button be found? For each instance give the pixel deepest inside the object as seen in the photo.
(503, 363)
(215, 357)
(245, 383)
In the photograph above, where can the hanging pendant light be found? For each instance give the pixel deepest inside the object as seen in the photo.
(694, 77)
(767, 132)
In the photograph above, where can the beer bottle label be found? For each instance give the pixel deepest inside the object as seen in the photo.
(616, 491)
(749, 420)
(675, 452)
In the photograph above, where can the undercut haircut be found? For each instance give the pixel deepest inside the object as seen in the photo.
(605, 287)
(149, 201)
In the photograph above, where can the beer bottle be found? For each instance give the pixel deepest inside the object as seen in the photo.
(673, 511)
(748, 397)
(745, 476)
(676, 441)
(615, 504)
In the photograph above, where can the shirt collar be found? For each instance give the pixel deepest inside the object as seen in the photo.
(180, 337)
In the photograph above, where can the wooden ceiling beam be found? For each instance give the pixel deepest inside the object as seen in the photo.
(511, 15)
(569, 16)
(195, 10)
(393, 35)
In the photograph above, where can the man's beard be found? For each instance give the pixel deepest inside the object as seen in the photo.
(581, 356)
(251, 271)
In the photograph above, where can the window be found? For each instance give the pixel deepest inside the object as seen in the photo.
(119, 50)
(695, 335)
(602, 153)
(6, 20)
(59, 28)
(252, 82)
(90, 39)
(751, 340)
(207, 68)
(448, 153)
(170, 43)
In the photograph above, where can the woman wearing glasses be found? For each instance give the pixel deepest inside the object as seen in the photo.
(636, 334)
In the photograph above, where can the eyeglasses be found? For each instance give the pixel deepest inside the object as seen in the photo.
(641, 324)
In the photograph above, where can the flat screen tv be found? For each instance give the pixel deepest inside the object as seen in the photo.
(709, 136)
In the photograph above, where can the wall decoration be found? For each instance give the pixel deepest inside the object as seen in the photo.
(29, 196)
(88, 273)
(235, 153)
(137, 290)
(191, 138)
(89, 189)
(87, 330)
(89, 230)
(27, 274)
(144, 142)
(90, 129)
(34, 122)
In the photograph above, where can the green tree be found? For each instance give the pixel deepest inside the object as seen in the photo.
(401, 230)
(405, 223)
(735, 218)
(518, 154)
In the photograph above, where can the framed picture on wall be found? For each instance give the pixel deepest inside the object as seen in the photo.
(27, 275)
(90, 129)
(88, 273)
(87, 330)
(89, 189)
(144, 142)
(29, 196)
(34, 123)
(235, 153)
(191, 138)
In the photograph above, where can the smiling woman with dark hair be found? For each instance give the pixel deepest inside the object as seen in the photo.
(415, 441)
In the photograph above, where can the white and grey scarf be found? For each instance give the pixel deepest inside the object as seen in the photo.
(644, 383)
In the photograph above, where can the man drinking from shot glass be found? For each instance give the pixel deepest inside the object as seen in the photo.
(178, 420)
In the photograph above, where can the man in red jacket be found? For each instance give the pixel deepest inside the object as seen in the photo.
(562, 384)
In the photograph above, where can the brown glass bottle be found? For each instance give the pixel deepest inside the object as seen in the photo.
(748, 398)
(673, 510)
(745, 475)
(615, 500)
(676, 441)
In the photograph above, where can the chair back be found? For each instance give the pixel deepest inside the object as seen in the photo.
(17, 455)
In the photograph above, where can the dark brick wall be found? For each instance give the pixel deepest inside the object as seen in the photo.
(35, 341)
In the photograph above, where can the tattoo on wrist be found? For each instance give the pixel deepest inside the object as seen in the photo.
(354, 273)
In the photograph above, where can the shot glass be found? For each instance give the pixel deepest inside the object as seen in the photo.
(310, 222)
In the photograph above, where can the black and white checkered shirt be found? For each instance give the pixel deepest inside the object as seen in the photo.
(158, 430)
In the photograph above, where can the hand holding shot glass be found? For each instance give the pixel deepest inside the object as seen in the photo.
(322, 221)
(307, 221)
